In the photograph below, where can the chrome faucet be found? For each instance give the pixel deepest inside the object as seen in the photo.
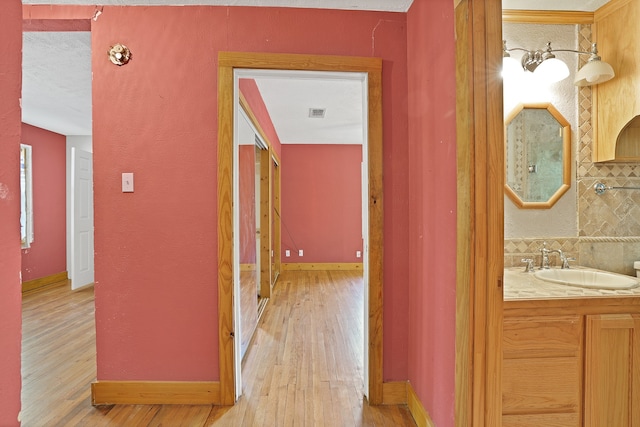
(565, 261)
(559, 252)
(529, 265)
(544, 260)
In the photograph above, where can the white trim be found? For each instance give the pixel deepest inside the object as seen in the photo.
(26, 196)
(365, 225)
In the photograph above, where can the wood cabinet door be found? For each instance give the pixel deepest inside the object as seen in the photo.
(612, 370)
(542, 371)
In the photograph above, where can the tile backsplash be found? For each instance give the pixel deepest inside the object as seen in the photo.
(608, 224)
(616, 254)
(515, 250)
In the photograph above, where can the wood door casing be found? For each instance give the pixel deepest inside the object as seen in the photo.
(227, 61)
(480, 241)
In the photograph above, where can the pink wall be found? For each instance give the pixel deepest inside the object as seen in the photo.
(48, 252)
(321, 202)
(432, 201)
(10, 292)
(321, 194)
(249, 89)
(155, 264)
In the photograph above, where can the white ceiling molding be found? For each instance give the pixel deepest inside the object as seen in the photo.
(568, 5)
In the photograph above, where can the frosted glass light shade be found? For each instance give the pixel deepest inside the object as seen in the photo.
(551, 70)
(594, 72)
(511, 68)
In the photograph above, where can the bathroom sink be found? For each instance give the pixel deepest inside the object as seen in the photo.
(587, 278)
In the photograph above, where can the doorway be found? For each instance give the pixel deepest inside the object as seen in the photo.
(56, 97)
(371, 67)
(324, 207)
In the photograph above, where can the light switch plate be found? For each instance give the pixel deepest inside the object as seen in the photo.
(127, 182)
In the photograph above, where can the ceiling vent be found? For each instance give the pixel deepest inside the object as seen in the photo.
(317, 113)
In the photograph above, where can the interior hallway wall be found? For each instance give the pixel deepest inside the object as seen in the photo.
(47, 254)
(432, 201)
(10, 260)
(321, 203)
(156, 249)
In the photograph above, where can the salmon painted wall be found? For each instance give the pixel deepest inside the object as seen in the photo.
(155, 264)
(10, 291)
(432, 201)
(251, 93)
(321, 194)
(321, 203)
(48, 252)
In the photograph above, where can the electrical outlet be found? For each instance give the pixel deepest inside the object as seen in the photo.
(287, 253)
(358, 254)
(300, 252)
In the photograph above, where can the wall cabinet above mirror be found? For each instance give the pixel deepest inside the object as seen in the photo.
(537, 156)
(616, 107)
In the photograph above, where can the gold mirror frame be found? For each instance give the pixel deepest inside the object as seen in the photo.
(566, 157)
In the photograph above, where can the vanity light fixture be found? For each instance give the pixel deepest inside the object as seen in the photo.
(544, 64)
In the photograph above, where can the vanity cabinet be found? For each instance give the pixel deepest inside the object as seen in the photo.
(612, 380)
(542, 371)
(566, 363)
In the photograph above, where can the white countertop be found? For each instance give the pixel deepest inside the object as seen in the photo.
(519, 285)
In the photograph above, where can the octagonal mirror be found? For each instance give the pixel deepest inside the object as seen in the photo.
(537, 156)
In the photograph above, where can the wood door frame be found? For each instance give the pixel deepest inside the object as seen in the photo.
(274, 197)
(480, 238)
(227, 62)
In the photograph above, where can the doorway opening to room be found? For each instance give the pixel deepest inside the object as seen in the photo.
(57, 304)
(261, 155)
(57, 123)
(318, 121)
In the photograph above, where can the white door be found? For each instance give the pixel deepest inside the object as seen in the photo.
(81, 218)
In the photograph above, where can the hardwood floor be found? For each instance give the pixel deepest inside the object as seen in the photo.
(303, 367)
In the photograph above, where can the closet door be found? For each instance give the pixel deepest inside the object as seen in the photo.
(249, 232)
(274, 185)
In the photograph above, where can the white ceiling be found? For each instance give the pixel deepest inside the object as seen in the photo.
(56, 81)
(57, 88)
(289, 96)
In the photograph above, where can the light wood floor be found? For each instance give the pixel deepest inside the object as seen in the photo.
(303, 368)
